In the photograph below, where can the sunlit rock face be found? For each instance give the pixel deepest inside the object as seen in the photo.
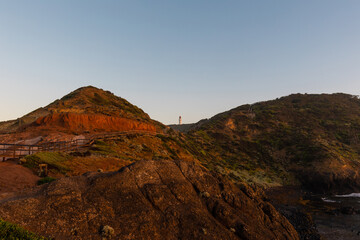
(162, 199)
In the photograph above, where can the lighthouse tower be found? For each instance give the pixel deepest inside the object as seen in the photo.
(180, 121)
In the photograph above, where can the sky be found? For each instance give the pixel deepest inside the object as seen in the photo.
(176, 57)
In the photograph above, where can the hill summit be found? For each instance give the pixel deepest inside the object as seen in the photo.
(86, 109)
(92, 100)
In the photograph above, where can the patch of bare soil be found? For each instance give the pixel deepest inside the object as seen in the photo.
(14, 177)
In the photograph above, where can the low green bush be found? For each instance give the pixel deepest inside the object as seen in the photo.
(9, 231)
(46, 180)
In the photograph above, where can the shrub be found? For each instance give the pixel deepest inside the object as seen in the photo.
(9, 231)
(46, 180)
(107, 232)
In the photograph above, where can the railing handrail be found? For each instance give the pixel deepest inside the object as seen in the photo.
(19, 150)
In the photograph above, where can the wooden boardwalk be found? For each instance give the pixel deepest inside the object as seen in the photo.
(20, 150)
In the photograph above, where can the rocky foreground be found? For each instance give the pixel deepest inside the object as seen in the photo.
(162, 199)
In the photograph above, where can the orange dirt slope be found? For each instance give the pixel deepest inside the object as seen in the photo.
(90, 122)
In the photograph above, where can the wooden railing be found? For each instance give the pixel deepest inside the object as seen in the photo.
(20, 150)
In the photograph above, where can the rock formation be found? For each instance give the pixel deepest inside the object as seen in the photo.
(162, 199)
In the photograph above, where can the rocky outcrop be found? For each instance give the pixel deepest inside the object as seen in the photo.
(333, 180)
(332, 175)
(90, 122)
(162, 199)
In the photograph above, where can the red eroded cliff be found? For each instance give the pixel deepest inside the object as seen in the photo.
(90, 122)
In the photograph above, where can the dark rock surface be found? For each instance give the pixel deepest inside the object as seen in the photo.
(147, 200)
(302, 222)
(287, 201)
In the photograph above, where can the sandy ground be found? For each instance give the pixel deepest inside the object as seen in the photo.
(14, 177)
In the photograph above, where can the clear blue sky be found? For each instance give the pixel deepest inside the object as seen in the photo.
(185, 57)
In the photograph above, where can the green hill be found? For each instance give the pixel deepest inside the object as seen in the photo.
(308, 139)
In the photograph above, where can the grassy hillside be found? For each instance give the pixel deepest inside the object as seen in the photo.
(298, 139)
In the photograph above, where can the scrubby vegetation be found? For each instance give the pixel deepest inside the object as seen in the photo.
(106, 148)
(271, 143)
(9, 231)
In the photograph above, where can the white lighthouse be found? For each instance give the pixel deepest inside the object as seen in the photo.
(180, 121)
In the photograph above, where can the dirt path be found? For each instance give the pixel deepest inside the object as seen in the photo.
(14, 177)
